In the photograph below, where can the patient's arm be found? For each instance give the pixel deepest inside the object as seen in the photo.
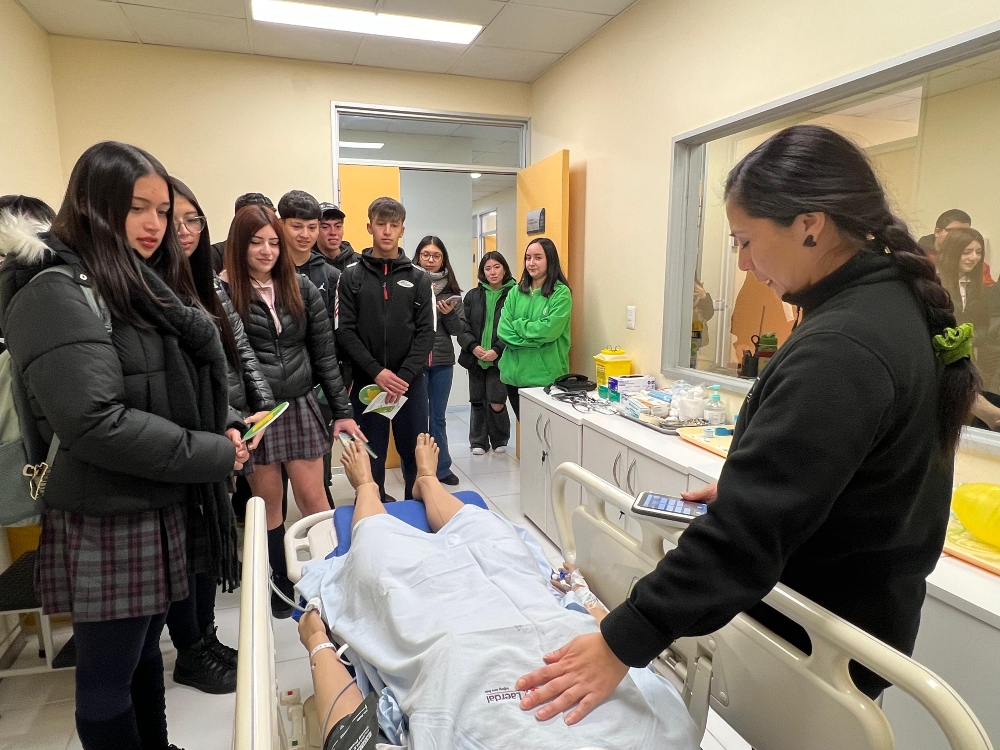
(592, 604)
(440, 504)
(358, 467)
(329, 675)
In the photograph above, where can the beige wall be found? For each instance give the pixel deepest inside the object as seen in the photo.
(227, 123)
(661, 69)
(29, 144)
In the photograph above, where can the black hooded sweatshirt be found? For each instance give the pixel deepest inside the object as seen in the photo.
(385, 318)
(344, 258)
(836, 483)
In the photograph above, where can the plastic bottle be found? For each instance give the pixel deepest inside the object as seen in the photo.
(977, 506)
(715, 412)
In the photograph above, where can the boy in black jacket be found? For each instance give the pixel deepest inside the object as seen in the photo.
(385, 328)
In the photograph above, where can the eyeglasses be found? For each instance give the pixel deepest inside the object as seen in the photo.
(193, 225)
(431, 256)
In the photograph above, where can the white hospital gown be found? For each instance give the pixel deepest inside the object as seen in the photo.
(451, 621)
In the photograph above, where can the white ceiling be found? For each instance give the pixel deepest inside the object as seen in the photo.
(521, 39)
(489, 184)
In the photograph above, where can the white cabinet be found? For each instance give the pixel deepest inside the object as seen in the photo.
(630, 470)
(547, 440)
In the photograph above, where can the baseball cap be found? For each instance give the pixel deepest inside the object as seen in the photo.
(330, 211)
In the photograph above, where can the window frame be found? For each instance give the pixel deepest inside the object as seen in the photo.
(687, 190)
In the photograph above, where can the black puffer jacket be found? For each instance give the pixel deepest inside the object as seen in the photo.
(386, 317)
(120, 451)
(324, 277)
(301, 355)
(249, 391)
(474, 312)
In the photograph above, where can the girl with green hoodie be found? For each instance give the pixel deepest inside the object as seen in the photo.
(481, 348)
(535, 323)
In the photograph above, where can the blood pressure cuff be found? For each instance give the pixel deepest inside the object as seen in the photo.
(359, 731)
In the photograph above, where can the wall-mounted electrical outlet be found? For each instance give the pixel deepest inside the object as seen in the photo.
(630, 317)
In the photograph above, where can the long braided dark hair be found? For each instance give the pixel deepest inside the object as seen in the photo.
(811, 169)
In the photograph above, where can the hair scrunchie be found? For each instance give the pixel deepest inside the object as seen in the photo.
(953, 344)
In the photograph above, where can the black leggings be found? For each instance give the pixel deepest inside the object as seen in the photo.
(515, 400)
(188, 619)
(108, 656)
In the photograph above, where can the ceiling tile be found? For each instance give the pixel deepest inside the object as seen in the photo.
(278, 40)
(229, 8)
(87, 18)
(504, 64)
(355, 4)
(467, 11)
(421, 127)
(407, 54)
(176, 28)
(606, 7)
(540, 29)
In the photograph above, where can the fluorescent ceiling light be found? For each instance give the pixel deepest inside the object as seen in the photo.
(364, 22)
(476, 175)
(360, 144)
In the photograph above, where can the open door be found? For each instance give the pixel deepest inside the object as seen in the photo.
(359, 185)
(544, 185)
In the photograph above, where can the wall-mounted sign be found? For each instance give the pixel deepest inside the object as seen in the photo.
(536, 221)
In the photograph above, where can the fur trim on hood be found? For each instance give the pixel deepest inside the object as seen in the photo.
(19, 238)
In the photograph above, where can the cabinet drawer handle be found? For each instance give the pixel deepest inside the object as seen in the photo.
(628, 478)
(537, 433)
(614, 470)
(545, 433)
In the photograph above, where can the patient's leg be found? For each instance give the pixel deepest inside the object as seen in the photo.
(441, 505)
(367, 500)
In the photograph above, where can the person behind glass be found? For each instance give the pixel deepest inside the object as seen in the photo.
(838, 482)
(336, 250)
(432, 256)
(953, 218)
(960, 264)
(143, 432)
(203, 662)
(219, 248)
(489, 424)
(288, 327)
(385, 329)
(535, 323)
(300, 215)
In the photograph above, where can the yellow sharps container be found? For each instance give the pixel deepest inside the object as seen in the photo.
(610, 364)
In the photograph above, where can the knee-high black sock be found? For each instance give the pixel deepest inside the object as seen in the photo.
(150, 704)
(117, 733)
(276, 551)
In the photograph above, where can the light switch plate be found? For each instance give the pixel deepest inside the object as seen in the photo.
(630, 317)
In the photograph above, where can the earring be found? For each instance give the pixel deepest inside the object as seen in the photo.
(809, 241)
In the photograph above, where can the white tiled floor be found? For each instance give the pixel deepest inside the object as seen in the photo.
(37, 713)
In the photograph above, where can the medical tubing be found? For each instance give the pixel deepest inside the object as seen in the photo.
(330, 711)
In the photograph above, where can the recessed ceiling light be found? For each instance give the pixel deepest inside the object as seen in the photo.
(360, 144)
(476, 175)
(364, 22)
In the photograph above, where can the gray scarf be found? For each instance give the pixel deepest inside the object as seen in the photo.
(439, 280)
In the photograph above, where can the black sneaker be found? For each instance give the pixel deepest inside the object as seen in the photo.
(281, 609)
(199, 668)
(221, 650)
(388, 499)
(451, 480)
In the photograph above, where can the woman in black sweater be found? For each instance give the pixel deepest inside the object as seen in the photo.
(481, 349)
(838, 481)
(287, 324)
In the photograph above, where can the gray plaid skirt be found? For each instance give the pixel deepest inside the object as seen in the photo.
(299, 433)
(112, 567)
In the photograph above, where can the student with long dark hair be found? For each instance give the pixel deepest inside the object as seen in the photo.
(535, 323)
(489, 425)
(142, 432)
(961, 267)
(203, 662)
(838, 483)
(288, 327)
(432, 256)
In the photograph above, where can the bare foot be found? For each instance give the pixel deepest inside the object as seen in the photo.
(426, 456)
(357, 465)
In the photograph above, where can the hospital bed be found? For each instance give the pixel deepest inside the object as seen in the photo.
(773, 695)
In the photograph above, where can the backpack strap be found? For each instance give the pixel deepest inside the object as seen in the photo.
(93, 301)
